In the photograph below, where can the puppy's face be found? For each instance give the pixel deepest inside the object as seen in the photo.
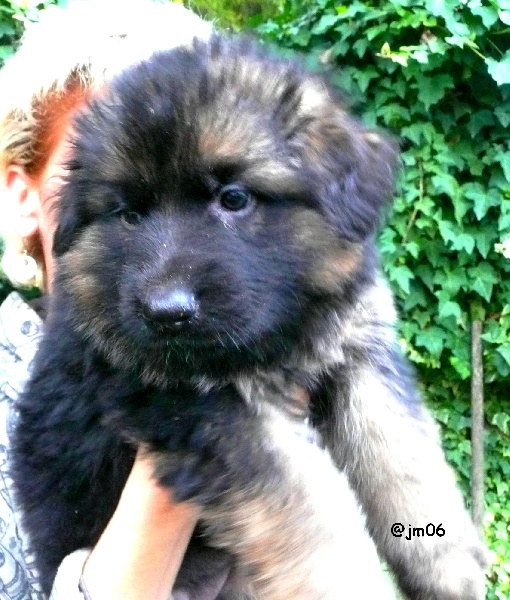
(217, 201)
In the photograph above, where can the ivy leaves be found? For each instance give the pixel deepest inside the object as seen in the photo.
(14, 15)
(500, 69)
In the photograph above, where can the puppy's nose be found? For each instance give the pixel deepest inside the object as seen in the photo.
(169, 306)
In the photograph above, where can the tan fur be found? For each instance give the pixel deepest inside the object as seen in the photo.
(335, 261)
(394, 464)
(376, 441)
(336, 268)
(277, 390)
(410, 483)
(76, 267)
(290, 539)
(233, 140)
(314, 98)
(223, 142)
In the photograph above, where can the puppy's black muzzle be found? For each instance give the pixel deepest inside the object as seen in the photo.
(171, 307)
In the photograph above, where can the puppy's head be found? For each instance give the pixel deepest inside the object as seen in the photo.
(218, 200)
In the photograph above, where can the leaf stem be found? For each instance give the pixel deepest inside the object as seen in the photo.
(495, 47)
(421, 189)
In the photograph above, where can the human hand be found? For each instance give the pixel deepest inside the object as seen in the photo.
(140, 552)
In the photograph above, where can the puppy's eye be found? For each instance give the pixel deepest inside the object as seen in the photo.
(234, 198)
(131, 218)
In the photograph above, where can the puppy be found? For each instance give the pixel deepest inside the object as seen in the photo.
(218, 299)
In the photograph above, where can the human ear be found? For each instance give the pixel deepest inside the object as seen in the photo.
(24, 201)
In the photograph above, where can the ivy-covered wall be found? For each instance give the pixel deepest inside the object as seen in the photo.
(437, 74)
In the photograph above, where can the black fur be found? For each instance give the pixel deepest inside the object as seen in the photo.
(147, 211)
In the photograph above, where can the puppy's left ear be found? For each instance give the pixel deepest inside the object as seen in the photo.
(353, 167)
(71, 216)
(359, 195)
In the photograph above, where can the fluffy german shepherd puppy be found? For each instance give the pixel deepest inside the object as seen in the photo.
(218, 299)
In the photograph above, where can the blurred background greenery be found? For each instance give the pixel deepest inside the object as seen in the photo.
(436, 73)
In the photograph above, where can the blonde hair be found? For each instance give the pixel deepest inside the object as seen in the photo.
(73, 50)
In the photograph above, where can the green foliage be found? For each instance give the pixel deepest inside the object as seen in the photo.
(5, 288)
(232, 14)
(437, 74)
(14, 14)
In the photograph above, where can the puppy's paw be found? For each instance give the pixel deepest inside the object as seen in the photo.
(203, 573)
(460, 576)
(456, 575)
(213, 449)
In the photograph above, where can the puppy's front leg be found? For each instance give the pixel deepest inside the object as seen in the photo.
(277, 503)
(387, 443)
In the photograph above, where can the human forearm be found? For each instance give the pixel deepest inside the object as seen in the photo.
(140, 552)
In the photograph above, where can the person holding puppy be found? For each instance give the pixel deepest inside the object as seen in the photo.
(213, 403)
(66, 57)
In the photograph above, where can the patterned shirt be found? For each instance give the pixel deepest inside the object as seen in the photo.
(20, 332)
